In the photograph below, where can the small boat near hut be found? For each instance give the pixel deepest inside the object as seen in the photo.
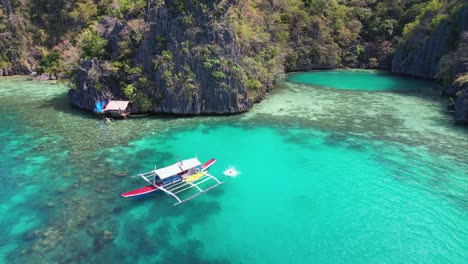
(177, 179)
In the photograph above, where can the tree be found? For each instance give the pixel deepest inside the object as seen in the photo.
(92, 45)
(50, 62)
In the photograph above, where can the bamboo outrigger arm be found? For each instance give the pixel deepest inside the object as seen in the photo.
(196, 186)
(170, 193)
(214, 178)
(200, 191)
(197, 194)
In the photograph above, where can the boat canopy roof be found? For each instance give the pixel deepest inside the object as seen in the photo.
(177, 168)
(168, 171)
(189, 163)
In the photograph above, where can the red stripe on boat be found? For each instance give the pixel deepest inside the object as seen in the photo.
(208, 164)
(141, 191)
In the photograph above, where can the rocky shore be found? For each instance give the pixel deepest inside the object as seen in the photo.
(220, 57)
(421, 56)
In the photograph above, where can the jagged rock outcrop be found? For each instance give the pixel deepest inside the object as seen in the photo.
(461, 67)
(420, 56)
(461, 105)
(213, 41)
(443, 55)
(87, 91)
(17, 70)
(188, 65)
(14, 43)
(218, 56)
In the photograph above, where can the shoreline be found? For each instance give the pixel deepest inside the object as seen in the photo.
(284, 77)
(286, 73)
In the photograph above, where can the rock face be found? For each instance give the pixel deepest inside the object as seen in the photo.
(461, 99)
(423, 56)
(461, 106)
(211, 94)
(420, 57)
(13, 71)
(192, 57)
(86, 94)
(182, 60)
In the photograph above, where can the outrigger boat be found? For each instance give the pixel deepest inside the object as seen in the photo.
(177, 178)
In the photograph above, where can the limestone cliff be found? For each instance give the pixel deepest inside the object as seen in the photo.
(221, 56)
(191, 68)
(187, 59)
(87, 94)
(441, 53)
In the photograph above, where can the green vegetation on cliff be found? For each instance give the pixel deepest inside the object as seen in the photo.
(149, 50)
(299, 34)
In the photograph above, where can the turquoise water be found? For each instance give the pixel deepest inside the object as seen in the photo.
(327, 176)
(365, 80)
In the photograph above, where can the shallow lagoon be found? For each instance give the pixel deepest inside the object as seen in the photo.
(363, 80)
(327, 176)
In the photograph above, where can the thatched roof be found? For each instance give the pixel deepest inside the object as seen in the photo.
(116, 106)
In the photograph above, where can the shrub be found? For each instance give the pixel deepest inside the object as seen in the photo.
(131, 7)
(93, 45)
(218, 74)
(462, 80)
(50, 62)
(437, 20)
(253, 85)
(129, 90)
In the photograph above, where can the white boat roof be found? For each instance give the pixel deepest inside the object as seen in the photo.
(168, 171)
(177, 168)
(189, 163)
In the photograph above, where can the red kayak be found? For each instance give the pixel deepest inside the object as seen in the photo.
(151, 188)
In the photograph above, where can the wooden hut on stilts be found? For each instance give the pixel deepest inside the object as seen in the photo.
(117, 109)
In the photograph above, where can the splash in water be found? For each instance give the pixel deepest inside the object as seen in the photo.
(231, 172)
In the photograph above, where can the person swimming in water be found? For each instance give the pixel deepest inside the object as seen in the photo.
(231, 172)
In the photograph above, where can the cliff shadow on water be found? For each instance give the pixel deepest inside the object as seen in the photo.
(61, 103)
